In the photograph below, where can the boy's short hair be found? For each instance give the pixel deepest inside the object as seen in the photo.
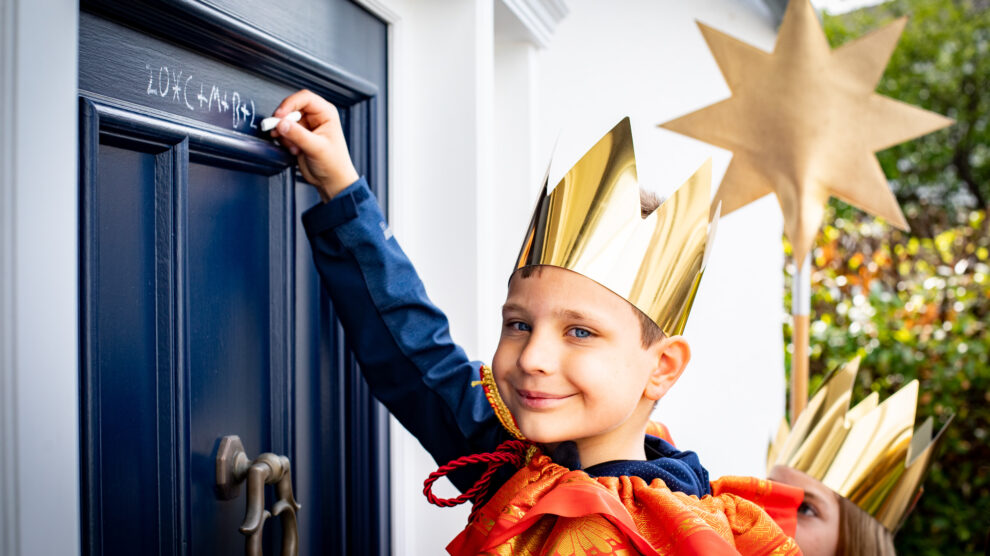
(649, 331)
(648, 203)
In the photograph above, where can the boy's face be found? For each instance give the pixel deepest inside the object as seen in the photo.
(570, 363)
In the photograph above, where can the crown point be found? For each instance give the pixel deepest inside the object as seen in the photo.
(591, 223)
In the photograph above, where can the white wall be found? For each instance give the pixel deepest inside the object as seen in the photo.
(440, 122)
(39, 428)
(647, 59)
(452, 155)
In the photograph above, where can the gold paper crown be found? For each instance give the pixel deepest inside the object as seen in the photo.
(591, 223)
(867, 454)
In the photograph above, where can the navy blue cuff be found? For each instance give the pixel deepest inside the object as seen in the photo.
(339, 210)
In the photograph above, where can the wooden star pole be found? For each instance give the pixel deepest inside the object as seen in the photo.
(800, 335)
(803, 123)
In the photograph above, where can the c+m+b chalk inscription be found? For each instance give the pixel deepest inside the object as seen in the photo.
(176, 86)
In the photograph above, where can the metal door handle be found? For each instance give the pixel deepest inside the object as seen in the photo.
(233, 468)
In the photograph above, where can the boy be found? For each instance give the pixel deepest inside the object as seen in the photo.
(577, 382)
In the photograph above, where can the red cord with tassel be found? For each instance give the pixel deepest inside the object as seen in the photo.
(514, 452)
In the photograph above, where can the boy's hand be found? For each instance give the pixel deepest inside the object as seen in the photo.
(318, 142)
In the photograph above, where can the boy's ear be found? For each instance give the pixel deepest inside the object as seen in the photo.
(673, 354)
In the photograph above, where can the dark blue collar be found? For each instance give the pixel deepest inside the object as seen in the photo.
(680, 471)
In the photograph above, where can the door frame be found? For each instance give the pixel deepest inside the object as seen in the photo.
(39, 329)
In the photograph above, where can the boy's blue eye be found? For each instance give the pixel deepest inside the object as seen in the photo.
(520, 326)
(581, 333)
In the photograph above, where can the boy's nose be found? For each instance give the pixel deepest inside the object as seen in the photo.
(537, 356)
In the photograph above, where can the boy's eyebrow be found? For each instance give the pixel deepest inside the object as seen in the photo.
(560, 313)
(512, 307)
(572, 314)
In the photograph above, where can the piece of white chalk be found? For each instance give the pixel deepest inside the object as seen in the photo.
(269, 124)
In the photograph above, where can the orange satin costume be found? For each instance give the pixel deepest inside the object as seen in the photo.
(546, 509)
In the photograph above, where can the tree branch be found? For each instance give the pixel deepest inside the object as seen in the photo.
(960, 159)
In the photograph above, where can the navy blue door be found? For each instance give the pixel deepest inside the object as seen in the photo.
(202, 312)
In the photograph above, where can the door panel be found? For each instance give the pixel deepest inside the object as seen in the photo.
(127, 349)
(202, 313)
(229, 336)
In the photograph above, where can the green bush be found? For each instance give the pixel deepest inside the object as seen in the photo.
(917, 304)
(916, 308)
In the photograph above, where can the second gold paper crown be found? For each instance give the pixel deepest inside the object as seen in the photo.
(867, 453)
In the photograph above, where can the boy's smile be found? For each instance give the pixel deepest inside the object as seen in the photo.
(571, 365)
(536, 400)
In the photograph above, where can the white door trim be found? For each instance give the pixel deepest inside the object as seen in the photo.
(39, 328)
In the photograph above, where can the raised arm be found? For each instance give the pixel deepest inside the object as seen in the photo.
(400, 338)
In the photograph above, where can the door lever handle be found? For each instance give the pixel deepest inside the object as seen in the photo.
(233, 468)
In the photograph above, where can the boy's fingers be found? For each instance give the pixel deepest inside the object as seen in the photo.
(296, 137)
(289, 145)
(315, 109)
(284, 141)
(279, 138)
(295, 101)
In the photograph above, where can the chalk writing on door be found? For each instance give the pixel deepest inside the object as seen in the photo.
(177, 86)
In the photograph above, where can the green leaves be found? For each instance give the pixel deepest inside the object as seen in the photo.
(916, 308)
(941, 63)
(917, 305)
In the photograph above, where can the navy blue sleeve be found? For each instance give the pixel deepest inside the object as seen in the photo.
(401, 340)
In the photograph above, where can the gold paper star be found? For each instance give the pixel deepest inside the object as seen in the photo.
(804, 121)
